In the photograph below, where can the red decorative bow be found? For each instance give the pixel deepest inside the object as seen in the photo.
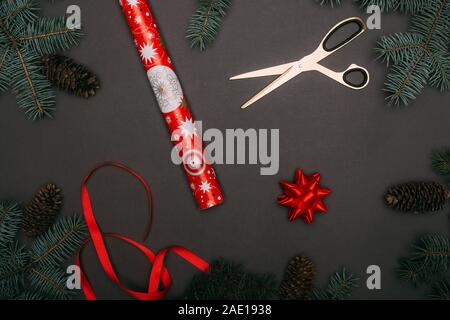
(304, 197)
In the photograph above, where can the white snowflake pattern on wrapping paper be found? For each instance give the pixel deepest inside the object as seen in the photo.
(205, 186)
(211, 204)
(187, 128)
(174, 83)
(138, 20)
(133, 3)
(166, 86)
(160, 88)
(148, 52)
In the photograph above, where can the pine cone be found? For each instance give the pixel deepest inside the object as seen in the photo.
(418, 197)
(41, 212)
(298, 279)
(68, 75)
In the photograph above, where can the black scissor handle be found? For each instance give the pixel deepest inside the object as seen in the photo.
(346, 77)
(360, 28)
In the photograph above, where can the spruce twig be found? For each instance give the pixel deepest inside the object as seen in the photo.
(330, 3)
(339, 287)
(441, 290)
(230, 281)
(430, 257)
(36, 272)
(441, 162)
(205, 22)
(24, 38)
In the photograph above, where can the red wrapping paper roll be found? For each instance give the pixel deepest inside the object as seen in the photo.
(169, 94)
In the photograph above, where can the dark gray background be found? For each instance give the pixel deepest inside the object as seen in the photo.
(358, 144)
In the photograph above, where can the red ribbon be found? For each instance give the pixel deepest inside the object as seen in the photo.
(159, 273)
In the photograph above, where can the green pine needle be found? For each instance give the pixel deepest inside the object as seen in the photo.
(329, 3)
(205, 23)
(34, 92)
(429, 257)
(230, 281)
(441, 162)
(50, 283)
(441, 290)
(421, 55)
(24, 38)
(385, 5)
(10, 223)
(398, 47)
(409, 271)
(339, 287)
(18, 14)
(41, 266)
(406, 6)
(50, 35)
(59, 243)
(12, 276)
(29, 295)
(440, 72)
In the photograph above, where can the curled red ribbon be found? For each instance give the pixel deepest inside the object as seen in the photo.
(159, 273)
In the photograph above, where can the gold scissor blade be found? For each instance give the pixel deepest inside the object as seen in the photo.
(288, 75)
(273, 71)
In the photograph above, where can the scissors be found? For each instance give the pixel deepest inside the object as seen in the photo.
(310, 62)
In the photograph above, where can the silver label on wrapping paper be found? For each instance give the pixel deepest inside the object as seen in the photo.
(167, 88)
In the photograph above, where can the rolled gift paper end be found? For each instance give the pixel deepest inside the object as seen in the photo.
(169, 94)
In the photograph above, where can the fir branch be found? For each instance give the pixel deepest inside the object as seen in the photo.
(50, 282)
(29, 295)
(230, 281)
(406, 6)
(205, 23)
(50, 35)
(329, 3)
(385, 5)
(410, 271)
(432, 24)
(25, 38)
(429, 257)
(17, 14)
(413, 6)
(12, 277)
(4, 79)
(441, 290)
(441, 162)
(440, 72)
(339, 287)
(399, 47)
(33, 90)
(59, 243)
(10, 224)
(406, 80)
